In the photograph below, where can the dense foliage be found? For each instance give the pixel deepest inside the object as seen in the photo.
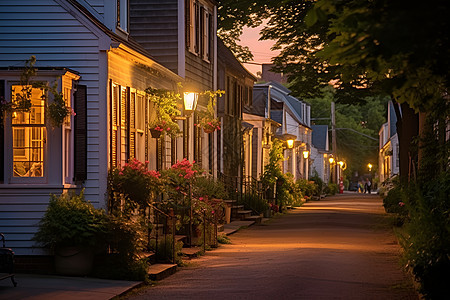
(71, 221)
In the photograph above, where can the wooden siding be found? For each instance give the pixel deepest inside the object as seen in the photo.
(199, 72)
(154, 25)
(57, 39)
(98, 5)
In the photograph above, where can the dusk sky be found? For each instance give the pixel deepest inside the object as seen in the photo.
(260, 49)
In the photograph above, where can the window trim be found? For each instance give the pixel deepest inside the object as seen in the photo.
(9, 154)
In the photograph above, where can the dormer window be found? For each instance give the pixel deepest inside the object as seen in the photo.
(122, 15)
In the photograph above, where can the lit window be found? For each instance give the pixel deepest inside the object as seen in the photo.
(28, 129)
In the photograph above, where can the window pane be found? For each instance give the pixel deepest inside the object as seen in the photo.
(28, 129)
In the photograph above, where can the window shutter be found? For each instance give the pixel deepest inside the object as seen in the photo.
(197, 27)
(212, 33)
(80, 159)
(114, 92)
(2, 134)
(187, 25)
(202, 40)
(132, 125)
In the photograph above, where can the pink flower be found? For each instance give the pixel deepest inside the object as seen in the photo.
(401, 204)
(120, 173)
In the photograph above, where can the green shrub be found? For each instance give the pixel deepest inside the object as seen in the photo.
(71, 221)
(208, 186)
(254, 202)
(427, 243)
(332, 189)
(223, 239)
(394, 202)
(308, 188)
(319, 184)
(165, 249)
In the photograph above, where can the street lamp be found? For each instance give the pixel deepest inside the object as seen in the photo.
(290, 143)
(331, 160)
(369, 165)
(190, 102)
(305, 154)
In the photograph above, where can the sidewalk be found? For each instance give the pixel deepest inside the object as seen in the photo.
(33, 286)
(44, 287)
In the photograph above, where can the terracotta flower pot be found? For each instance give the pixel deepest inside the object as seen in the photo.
(208, 130)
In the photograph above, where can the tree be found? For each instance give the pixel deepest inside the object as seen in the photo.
(362, 48)
(353, 122)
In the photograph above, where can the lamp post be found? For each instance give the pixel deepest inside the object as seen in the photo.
(331, 160)
(190, 103)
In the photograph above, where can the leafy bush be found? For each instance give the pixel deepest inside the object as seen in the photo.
(223, 239)
(332, 189)
(308, 188)
(253, 202)
(394, 201)
(135, 182)
(427, 245)
(208, 186)
(71, 221)
(319, 184)
(165, 249)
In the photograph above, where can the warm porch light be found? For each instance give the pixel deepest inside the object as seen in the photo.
(343, 165)
(305, 154)
(370, 167)
(331, 160)
(190, 101)
(290, 143)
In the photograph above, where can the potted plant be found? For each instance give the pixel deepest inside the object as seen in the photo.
(207, 119)
(167, 110)
(73, 229)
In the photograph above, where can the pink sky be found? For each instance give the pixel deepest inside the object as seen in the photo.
(260, 49)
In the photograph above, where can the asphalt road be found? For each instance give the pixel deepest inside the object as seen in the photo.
(337, 248)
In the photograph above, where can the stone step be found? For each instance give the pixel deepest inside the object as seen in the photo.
(230, 201)
(181, 238)
(238, 207)
(191, 252)
(244, 214)
(220, 227)
(257, 219)
(160, 271)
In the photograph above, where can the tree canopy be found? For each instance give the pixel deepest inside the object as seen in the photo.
(361, 47)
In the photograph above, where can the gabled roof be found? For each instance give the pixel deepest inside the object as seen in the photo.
(225, 54)
(279, 93)
(319, 137)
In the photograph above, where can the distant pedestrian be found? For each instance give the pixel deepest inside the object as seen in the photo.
(360, 187)
(367, 186)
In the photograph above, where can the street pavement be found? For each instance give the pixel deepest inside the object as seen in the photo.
(340, 247)
(45, 287)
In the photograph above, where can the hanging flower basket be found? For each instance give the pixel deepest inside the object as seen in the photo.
(155, 133)
(209, 130)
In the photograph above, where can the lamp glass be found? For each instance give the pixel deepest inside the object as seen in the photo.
(190, 101)
(290, 143)
(305, 154)
(331, 160)
(341, 163)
